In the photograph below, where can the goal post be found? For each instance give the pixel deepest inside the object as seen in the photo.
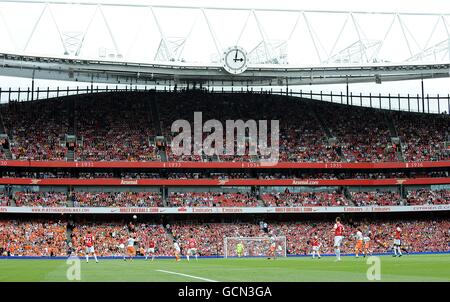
(255, 246)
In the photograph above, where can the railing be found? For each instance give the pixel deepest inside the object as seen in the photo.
(437, 104)
(228, 210)
(220, 165)
(229, 182)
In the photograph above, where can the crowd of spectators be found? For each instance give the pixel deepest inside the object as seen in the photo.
(37, 129)
(123, 127)
(304, 129)
(363, 134)
(301, 137)
(108, 237)
(4, 199)
(116, 199)
(376, 198)
(211, 199)
(417, 235)
(115, 128)
(40, 199)
(178, 175)
(423, 138)
(33, 238)
(172, 156)
(428, 197)
(210, 236)
(49, 238)
(308, 199)
(288, 174)
(81, 175)
(226, 199)
(35, 175)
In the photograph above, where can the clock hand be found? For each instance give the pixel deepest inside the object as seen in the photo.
(240, 59)
(235, 56)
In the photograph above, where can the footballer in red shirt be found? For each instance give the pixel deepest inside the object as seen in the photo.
(338, 236)
(150, 249)
(315, 247)
(397, 241)
(192, 248)
(89, 243)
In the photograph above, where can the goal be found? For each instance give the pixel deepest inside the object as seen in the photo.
(255, 246)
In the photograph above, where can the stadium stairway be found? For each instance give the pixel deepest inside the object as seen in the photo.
(254, 158)
(154, 114)
(7, 152)
(261, 203)
(164, 193)
(154, 119)
(70, 200)
(163, 154)
(347, 195)
(394, 134)
(70, 155)
(69, 229)
(72, 114)
(70, 224)
(169, 232)
(256, 192)
(2, 124)
(12, 202)
(205, 158)
(329, 134)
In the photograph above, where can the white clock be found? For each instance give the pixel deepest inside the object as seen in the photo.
(235, 60)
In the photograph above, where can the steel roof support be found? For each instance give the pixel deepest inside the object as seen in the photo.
(163, 37)
(312, 37)
(362, 48)
(448, 35)
(111, 35)
(404, 34)
(211, 31)
(337, 39)
(11, 37)
(77, 53)
(57, 28)
(34, 27)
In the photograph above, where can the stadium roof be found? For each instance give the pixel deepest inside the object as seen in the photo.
(141, 43)
(213, 74)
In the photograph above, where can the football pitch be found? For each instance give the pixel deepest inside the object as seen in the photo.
(350, 269)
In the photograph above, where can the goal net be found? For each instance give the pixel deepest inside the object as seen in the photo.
(254, 246)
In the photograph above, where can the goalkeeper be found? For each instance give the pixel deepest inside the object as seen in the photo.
(240, 249)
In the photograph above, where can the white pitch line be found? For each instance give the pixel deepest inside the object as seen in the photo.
(190, 276)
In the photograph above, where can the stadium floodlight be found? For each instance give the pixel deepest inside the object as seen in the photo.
(254, 246)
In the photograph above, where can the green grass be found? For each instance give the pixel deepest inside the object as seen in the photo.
(407, 268)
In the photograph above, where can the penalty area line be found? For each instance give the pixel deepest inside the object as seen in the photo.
(185, 275)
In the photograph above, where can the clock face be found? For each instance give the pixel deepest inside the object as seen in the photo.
(235, 60)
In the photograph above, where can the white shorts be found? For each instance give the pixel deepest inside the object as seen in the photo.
(337, 241)
(397, 242)
(90, 250)
(315, 248)
(192, 251)
(151, 250)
